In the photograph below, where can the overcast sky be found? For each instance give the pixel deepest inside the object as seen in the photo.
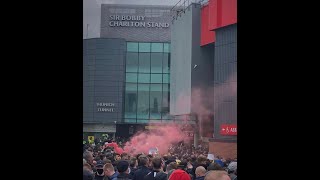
(92, 12)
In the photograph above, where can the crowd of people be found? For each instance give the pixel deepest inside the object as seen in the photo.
(181, 162)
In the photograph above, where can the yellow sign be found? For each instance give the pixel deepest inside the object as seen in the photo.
(91, 139)
(150, 127)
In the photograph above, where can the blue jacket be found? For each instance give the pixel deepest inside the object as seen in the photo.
(114, 176)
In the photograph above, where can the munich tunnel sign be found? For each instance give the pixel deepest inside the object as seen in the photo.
(228, 129)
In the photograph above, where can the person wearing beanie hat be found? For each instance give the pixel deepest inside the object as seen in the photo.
(124, 170)
(179, 175)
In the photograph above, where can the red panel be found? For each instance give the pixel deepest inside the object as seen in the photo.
(228, 129)
(212, 14)
(229, 12)
(206, 35)
(222, 13)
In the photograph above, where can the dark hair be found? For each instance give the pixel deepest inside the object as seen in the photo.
(183, 164)
(201, 158)
(156, 162)
(143, 160)
(172, 165)
(133, 161)
(124, 154)
(137, 156)
(102, 156)
(87, 155)
(97, 158)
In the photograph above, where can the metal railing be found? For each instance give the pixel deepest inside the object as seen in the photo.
(181, 6)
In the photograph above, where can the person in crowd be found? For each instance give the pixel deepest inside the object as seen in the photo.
(109, 172)
(179, 174)
(124, 156)
(232, 169)
(117, 157)
(88, 167)
(150, 157)
(170, 168)
(217, 175)
(157, 172)
(201, 161)
(87, 155)
(214, 166)
(218, 160)
(99, 175)
(124, 170)
(133, 165)
(87, 174)
(200, 173)
(143, 170)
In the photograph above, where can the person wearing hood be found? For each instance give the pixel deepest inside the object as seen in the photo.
(179, 174)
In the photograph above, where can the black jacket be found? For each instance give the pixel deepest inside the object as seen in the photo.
(141, 172)
(158, 176)
(133, 170)
(96, 177)
(200, 178)
(124, 176)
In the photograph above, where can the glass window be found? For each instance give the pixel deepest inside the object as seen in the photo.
(131, 87)
(156, 62)
(132, 62)
(143, 101)
(144, 78)
(166, 78)
(156, 78)
(144, 62)
(131, 100)
(156, 47)
(166, 63)
(165, 100)
(166, 47)
(130, 120)
(132, 47)
(155, 101)
(131, 77)
(142, 121)
(144, 47)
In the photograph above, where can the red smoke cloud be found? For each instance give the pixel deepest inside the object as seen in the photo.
(202, 101)
(161, 137)
(202, 105)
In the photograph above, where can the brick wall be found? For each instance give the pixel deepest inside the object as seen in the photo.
(224, 149)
